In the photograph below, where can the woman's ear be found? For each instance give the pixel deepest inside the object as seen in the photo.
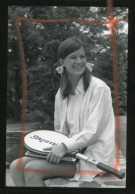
(61, 61)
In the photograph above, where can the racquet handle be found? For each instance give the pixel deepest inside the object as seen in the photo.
(111, 170)
(101, 166)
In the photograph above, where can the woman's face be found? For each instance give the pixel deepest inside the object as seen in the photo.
(75, 63)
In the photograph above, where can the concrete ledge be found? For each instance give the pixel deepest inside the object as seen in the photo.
(105, 181)
(13, 138)
(14, 134)
(16, 127)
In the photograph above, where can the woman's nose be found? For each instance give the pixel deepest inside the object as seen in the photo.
(78, 60)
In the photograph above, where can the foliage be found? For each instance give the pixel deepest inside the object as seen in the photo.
(41, 42)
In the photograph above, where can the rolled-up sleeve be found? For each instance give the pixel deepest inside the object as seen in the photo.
(100, 111)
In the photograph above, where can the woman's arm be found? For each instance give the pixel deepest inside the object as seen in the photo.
(100, 117)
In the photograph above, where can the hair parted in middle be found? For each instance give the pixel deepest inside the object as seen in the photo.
(67, 47)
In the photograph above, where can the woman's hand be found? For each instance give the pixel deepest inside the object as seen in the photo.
(57, 153)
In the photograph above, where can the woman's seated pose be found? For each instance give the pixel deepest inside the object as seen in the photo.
(83, 112)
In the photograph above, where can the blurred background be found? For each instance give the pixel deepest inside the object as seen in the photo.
(41, 42)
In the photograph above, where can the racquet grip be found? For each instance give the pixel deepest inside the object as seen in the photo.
(111, 170)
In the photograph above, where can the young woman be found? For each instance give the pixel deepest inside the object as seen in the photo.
(83, 111)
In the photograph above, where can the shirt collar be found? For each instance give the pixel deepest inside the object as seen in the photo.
(79, 87)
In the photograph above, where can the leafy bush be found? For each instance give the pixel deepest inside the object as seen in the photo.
(41, 42)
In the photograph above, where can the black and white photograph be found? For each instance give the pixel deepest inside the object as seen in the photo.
(66, 122)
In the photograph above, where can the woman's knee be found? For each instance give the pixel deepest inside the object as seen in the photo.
(17, 165)
(13, 165)
(14, 169)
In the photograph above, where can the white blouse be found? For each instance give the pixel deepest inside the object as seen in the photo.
(73, 111)
(88, 119)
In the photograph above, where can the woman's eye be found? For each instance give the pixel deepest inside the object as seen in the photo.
(73, 57)
(83, 56)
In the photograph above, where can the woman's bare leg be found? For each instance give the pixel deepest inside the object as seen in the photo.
(18, 175)
(42, 170)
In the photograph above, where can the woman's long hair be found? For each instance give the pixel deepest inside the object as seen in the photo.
(67, 47)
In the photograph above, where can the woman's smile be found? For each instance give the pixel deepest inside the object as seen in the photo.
(78, 66)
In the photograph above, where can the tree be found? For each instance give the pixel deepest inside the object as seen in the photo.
(41, 42)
